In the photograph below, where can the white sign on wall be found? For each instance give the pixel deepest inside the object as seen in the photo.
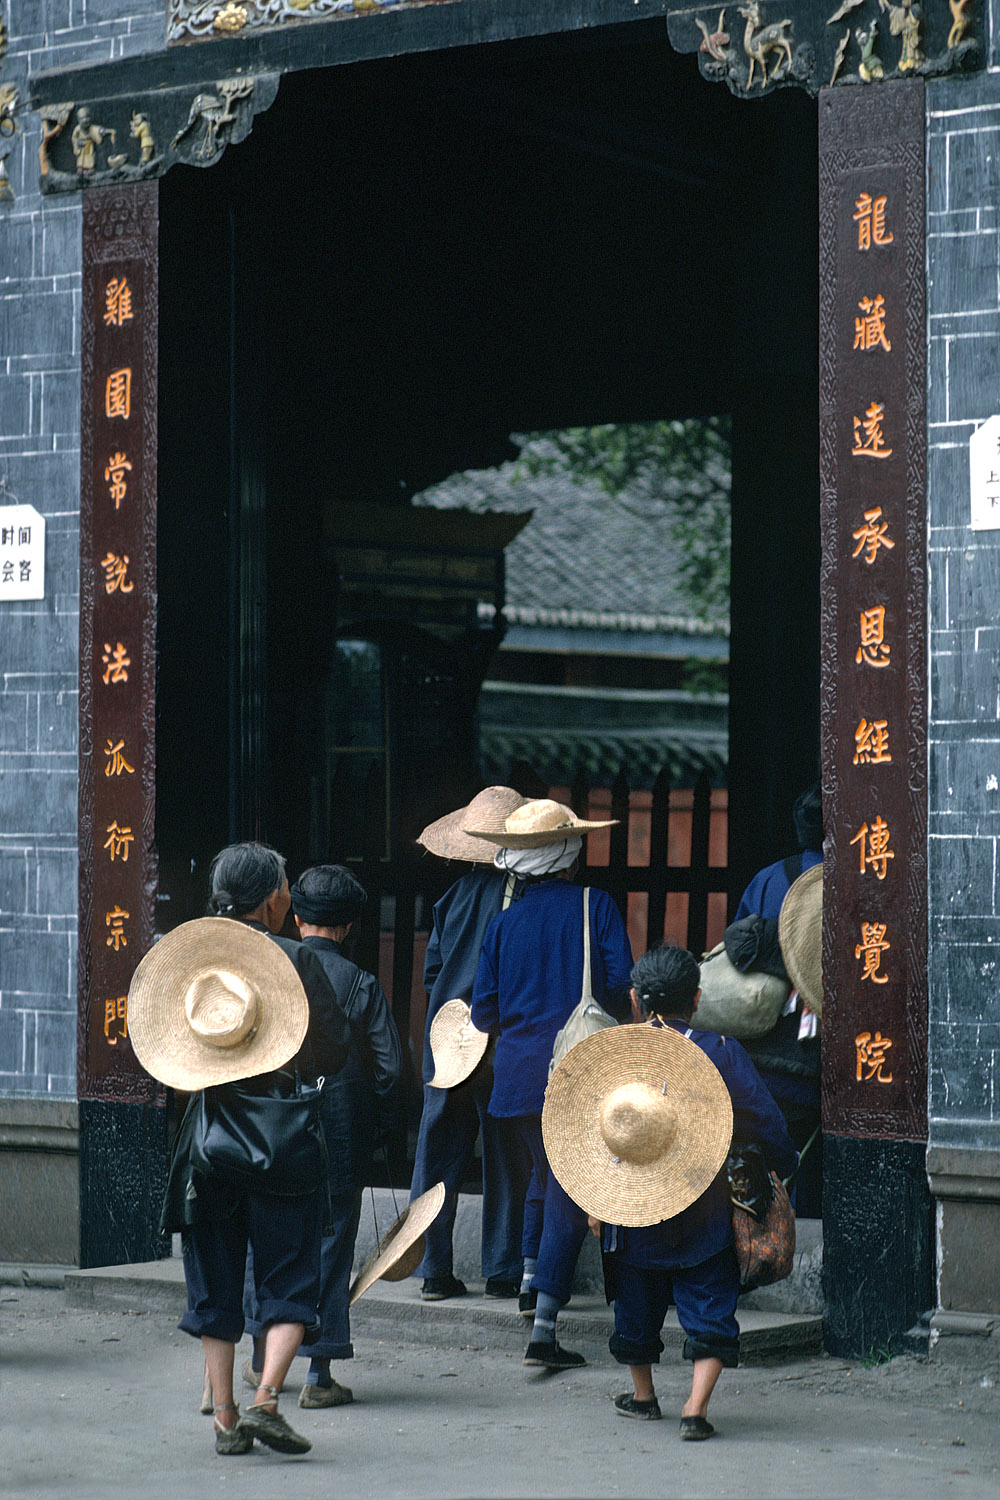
(22, 553)
(984, 475)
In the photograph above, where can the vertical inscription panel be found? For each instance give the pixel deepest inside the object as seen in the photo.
(873, 463)
(117, 628)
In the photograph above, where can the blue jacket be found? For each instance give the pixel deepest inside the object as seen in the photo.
(769, 887)
(530, 977)
(705, 1228)
(461, 918)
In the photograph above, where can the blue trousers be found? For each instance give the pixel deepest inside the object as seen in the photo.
(284, 1237)
(705, 1298)
(449, 1124)
(333, 1339)
(553, 1236)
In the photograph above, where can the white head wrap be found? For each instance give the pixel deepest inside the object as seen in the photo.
(547, 860)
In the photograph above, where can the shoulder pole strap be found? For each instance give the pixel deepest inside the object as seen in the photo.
(587, 992)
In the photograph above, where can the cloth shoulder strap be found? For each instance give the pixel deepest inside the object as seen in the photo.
(587, 992)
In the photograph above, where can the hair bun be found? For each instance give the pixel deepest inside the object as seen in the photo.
(222, 904)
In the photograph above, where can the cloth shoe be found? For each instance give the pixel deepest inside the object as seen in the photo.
(553, 1356)
(628, 1405)
(695, 1429)
(527, 1302)
(313, 1396)
(499, 1286)
(231, 1440)
(271, 1429)
(437, 1288)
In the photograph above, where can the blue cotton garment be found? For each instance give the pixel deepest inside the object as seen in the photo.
(769, 887)
(461, 918)
(530, 978)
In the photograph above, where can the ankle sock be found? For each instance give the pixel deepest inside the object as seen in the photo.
(543, 1330)
(319, 1373)
(530, 1267)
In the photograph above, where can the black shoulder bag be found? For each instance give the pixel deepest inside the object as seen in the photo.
(270, 1142)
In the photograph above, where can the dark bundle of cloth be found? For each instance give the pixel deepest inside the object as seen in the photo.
(752, 943)
(750, 1185)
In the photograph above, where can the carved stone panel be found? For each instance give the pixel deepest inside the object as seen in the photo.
(873, 624)
(117, 629)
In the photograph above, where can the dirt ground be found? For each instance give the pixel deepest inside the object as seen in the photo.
(105, 1404)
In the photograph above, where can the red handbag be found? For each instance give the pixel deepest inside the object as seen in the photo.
(764, 1244)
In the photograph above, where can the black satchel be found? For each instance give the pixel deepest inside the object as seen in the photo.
(270, 1142)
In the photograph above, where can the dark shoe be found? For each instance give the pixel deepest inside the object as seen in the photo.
(230, 1440)
(335, 1394)
(527, 1302)
(553, 1356)
(271, 1429)
(696, 1429)
(498, 1286)
(627, 1405)
(437, 1288)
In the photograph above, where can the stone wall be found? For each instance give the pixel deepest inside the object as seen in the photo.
(963, 303)
(39, 465)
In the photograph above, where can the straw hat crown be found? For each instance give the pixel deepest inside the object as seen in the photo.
(456, 1045)
(535, 824)
(401, 1248)
(800, 936)
(488, 809)
(214, 1001)
(637, 1123)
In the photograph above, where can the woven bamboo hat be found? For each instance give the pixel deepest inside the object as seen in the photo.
(637, 1123)
(401, 1249)
(456, 1045)
(800, 935)
(535, 824)
(488, 809)
(214, 1001)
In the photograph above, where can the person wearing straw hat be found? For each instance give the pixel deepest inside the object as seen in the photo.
(219, 1002)
(647, 1161)
(358, 1104)
(454, 1113)
(530, 978)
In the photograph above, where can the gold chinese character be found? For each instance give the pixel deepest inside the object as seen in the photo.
(115, 663)
(873, 649)
(868, 439)
(874, 849)
(871, 743)
(116, 1011)
(115, 920)
(872, 536)
(118, 393)
(869, 215)
(869, 331)
(117, 302)
(871, 948)
(871, 1056)
(114, 573)
(115, 474)
(116, 760)
(117, 842)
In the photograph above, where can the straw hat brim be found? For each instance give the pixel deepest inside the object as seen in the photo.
(398, 1245)
(446, 837)
(457, 1046)
(542, 837)
(624, 1192)
(800, 936)
(161, 1037)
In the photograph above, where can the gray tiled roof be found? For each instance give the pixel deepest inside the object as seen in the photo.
(582, 554)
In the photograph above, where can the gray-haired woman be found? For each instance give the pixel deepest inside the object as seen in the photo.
(218, 1221)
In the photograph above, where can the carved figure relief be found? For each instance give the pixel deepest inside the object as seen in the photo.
(760, 41)
(959, 21)
(716, 43)
(139, 130)
(210, 117)
(870, 68)
(87, 138)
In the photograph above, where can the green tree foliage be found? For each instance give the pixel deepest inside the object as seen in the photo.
(678, 471)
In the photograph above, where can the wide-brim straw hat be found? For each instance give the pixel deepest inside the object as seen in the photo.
(637, 1123)
(401, 1249)
(456, 1045)
(535, 824)
(213, 1001)
(488, 809)
(800, 934)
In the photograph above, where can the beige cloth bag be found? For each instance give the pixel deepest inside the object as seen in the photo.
(587, 1016)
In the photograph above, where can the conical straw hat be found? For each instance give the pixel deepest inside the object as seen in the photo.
(637, 1123)
(800, 935)
(401, 1248)
(535, 824)
(214, 1000)
(488, 809)
(456, 1045)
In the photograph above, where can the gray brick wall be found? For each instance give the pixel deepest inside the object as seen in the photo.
(963, 255)
(39, 464)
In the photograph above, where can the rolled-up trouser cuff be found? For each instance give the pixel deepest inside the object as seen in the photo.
(728, 1350)
(320, 1348)
(628, 1352)
(212, 1325)
(274, 1311)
